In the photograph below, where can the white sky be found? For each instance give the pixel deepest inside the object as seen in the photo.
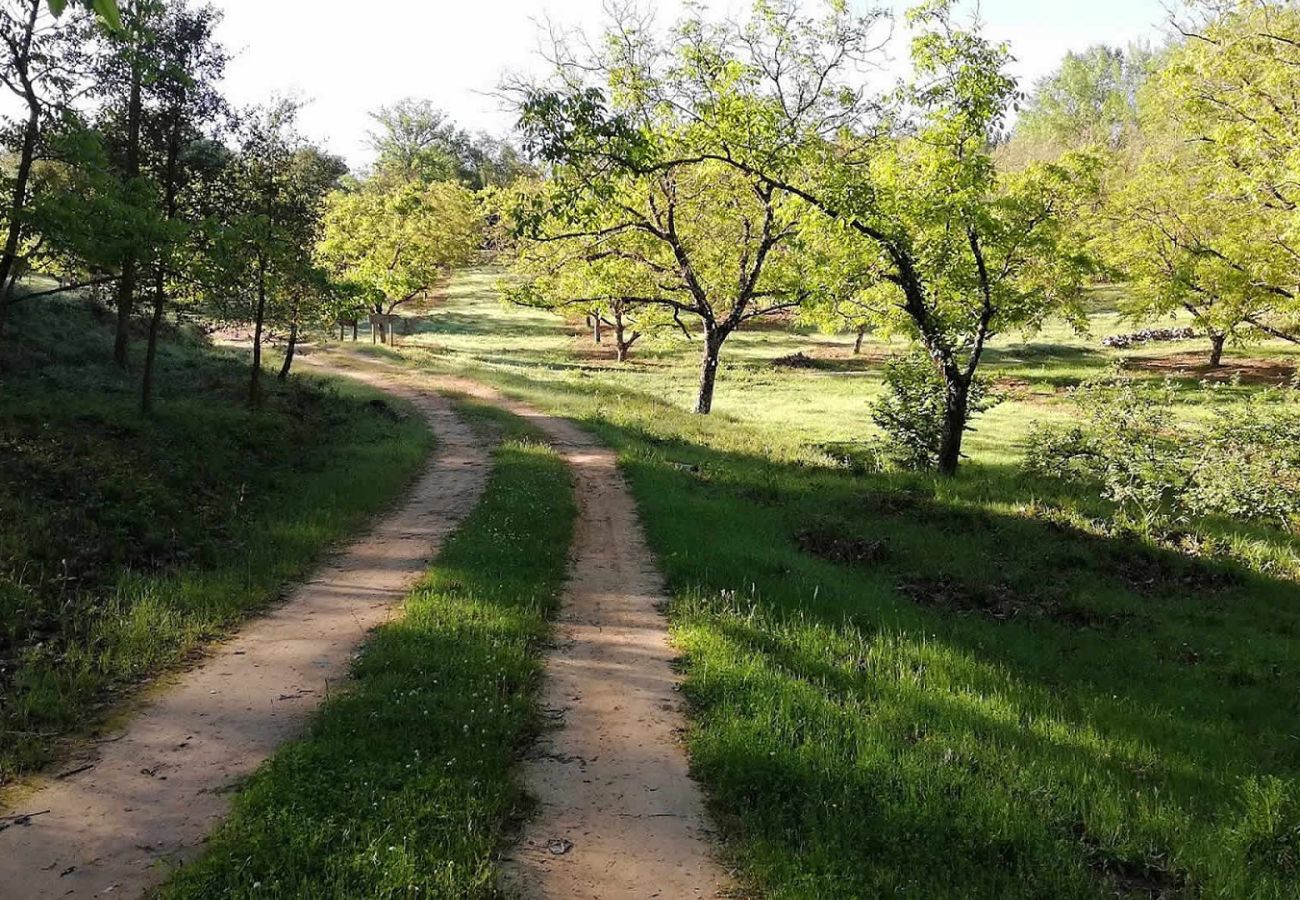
(347, 57)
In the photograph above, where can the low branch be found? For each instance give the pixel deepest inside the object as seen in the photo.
(81, 285)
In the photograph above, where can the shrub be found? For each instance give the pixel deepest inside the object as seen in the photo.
(1250, 461)
(1127, 443)
(911, 411)
(1158, 471)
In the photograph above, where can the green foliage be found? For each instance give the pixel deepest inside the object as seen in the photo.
(1126, 441)
(406, 784)
(1091, 100)
(107, 10)
(415, 140)
(911, 411)
(1202, 213)
(1161, 472)
(1249, 465)
(390, 239)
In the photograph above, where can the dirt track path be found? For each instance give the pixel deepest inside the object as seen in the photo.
(152, 792)
(619, 816)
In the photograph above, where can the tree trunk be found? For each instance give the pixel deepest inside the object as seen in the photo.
(595, 328)
(857, 342)
(289, 351)
(255, 380)
(27, 153)
(160, 274)
(151, 350)
(1217, 341)
(17, 203)
(126, 286)
(713, 339)
(621, 343)
(955, 411)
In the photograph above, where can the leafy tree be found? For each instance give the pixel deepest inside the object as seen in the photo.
(1091, 100)
(907, 175)
(1204, 216)
(416, 140)
(33, 70)
(1178, 244)
(581, 276)
(392, 238)
(696, 239)
(184, 102)
(123, 65)
(257, 262)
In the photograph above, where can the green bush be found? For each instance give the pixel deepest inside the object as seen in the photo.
(1161, 472)
(911, 411)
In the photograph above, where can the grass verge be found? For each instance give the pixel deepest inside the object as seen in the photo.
(126, 541)
(404, 785)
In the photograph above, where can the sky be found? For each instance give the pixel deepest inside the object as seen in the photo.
(345, 58)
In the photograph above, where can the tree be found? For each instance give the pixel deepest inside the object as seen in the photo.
(416, 140)
(1203, 214)
(257, 262)
(122, 64)
(698, 239)
(33, 70)
(576, 275)
(184, 101)
(906, 175)
(392, 238)
(1091, 100)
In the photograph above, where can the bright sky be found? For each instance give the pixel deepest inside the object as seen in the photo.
(346, 57)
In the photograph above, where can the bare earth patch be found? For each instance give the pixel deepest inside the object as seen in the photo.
(148, 795)
(1193, 365)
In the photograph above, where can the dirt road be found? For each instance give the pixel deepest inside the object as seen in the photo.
(152, 792)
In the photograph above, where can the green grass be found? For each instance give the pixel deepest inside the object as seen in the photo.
(917, 687)
(405, 784)
(127, 542)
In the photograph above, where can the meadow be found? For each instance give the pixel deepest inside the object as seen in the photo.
(926, 687)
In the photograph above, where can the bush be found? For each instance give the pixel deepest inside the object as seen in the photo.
(911, 411)
(1127, 443)
(1160, 472)
(1250, 466)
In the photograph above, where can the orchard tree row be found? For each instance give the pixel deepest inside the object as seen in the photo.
(126, 171)
(721, 171)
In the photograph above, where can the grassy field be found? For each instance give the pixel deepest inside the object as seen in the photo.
(127, 542)
(405, 784)
(917, 687)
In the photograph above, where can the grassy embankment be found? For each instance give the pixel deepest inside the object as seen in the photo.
(405, 784)
(910, 686)
(128, 542)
